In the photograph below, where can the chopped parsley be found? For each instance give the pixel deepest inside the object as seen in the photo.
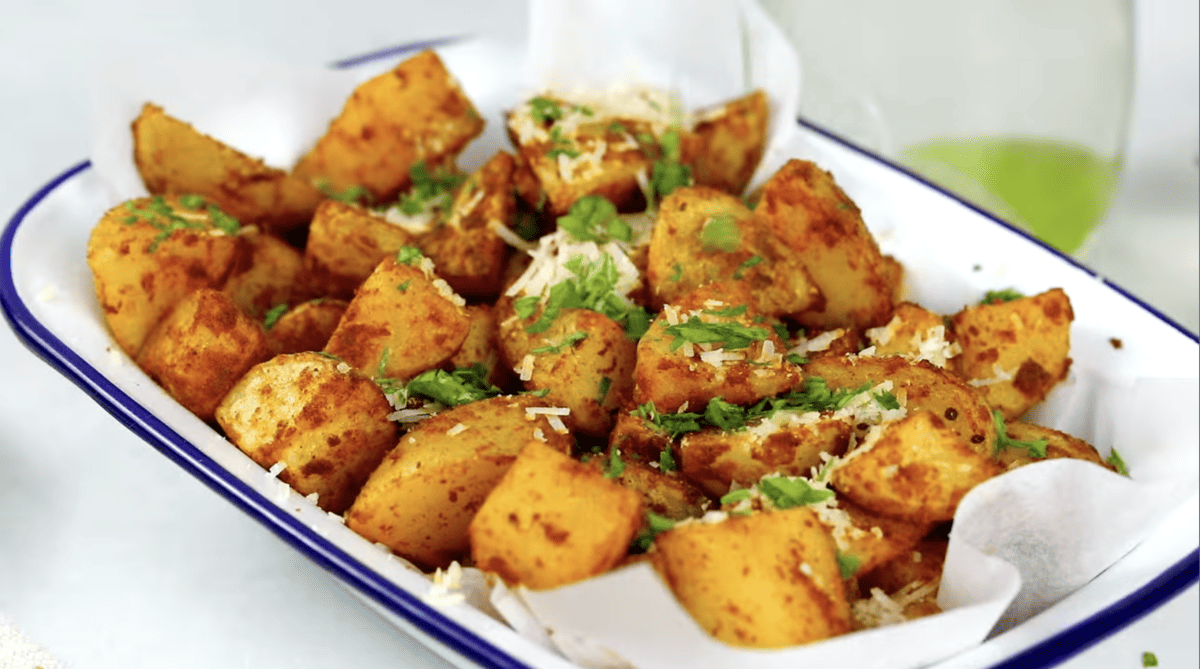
(545, 110)
(614, 466)
(848, 564)
(593, 218)
(668, 173)
(720, 233)
(747, 264)
(730, 335)
(674, 424)
(735, 496)
(676, 272)
(593, 287)
(787, 492)
(666, 461)
(1149, 659)
(168, 220)
(1114, 459)
(272, 317)
(566, 343)
(602, 391)
(655, 525)
(429, 189)
(1004, 295)
(352, 194)
(1036, 448)
(463, 385)
(408, 255)
(560, 144)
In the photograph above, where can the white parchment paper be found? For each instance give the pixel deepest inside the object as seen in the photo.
(1020, 542)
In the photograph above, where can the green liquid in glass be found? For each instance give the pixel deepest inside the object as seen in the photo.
(1056, 190)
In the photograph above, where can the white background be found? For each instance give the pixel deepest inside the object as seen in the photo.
(110, 556)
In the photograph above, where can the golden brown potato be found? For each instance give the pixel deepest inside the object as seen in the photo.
(415, 113)
(838, 342)
(919, 386)
(1058, 445)
(481, 346)
(765, 580)
(305, 327)
(916, 333)
(583, 361)
(148, 254)
(468, 251)
(421, 498)
(638, 437)
(704, 235)
(402, 321)
(664, 493)
(201, 349)
(327, 424)
(345, 244)
(788, 443)
(732, 139)
(1015, 352)
(917, 470)
(822, 224)
(552, 521)
(267, 276)
(672, 374)
(868, 540)
(175, 159)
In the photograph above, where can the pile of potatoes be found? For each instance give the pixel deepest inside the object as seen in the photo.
(593, 350)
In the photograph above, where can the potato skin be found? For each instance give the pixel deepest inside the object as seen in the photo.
(269, 274)
(766, 580)
(552, 521)
(345, 244)
(327, 422)
(415, 113)
(175, 159)
(404, 312)
(421, 498)
(732, 138)
(306, 326)
(1029, 337)
(201, 349)
(141, 273)
(808, 210)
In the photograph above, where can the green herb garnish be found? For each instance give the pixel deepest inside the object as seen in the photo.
(656, 525)
(848, 564)
(730, 335)
(1149, 659)
(1004, 295)
(1117, 462)
(1036, 448)
(720, 233)
(566, 342)
(429, 189)
(747, 264)
(272, 317)
(168, 220)
(666, 460)
(614, 466)
(595, 218)
(463, 385)
(786, 492)
(408, 255)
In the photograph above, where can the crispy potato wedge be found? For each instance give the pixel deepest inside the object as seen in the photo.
(1015, 352)
(732, 139)
(789, 443)
(306, 326)
(345, 244)
(414, 113)
(174, 158)
(268, 275)
(916, 470)
(1058, 445)
(813, 216)
(765, 580)
(915, 333)
(870, 539)
(672, 376)
(422, 497)
(704, 235)
(638, 437)
(919, 386)
(148, 254)
(199, 350)
(552, 521)
(327, 424)
(402, 321)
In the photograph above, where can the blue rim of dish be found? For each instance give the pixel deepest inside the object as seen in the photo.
(1046, 653)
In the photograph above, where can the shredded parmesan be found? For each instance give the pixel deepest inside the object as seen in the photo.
(457, 429)
(1001, 375)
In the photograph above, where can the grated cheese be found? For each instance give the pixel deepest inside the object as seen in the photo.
(457, 429)
(1001, 375)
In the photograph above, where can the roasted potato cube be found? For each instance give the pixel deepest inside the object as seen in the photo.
(173, 158)
(732, 139)
(469, 252)
(345, 244)
(766, 580)
(814, 217)
(327, 424)
(305, 327)
(552, 521)
(148, 254)
(704, 235)
(269, 275)
(789, 443)
(1058, 445)
(421, 498)
(481, 346)
(638, 437)
(919, 386)
(664, 493)
(710, 344)
(415, 113)
(583, 361)
(201, 349)
(1015, 352)
(916, 470)
(402, 321)
(867, 540)
(915, 333)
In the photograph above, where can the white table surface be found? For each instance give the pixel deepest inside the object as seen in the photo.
(111, 556)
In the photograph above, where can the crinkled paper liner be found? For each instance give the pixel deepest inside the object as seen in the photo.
(1020, 543)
